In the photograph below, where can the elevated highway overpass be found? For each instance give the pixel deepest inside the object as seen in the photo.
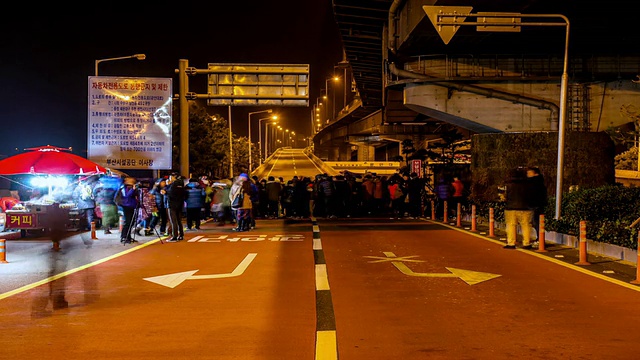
(409, 84)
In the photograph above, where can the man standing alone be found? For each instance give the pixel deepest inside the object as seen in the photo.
(538, 200)
(517, 210)
(175, 195)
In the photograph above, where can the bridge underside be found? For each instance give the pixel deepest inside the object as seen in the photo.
(410, 84)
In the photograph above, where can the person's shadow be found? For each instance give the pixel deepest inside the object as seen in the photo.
(54, 292)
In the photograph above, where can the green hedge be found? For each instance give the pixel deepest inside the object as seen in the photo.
(608, 211)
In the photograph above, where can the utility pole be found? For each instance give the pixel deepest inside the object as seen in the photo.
(230, 146)
(183, 64)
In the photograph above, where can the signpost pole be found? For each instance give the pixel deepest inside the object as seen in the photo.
(230, 146)
(184, 117)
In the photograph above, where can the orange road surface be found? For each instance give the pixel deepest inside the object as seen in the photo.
(124, 309)
(434, 293)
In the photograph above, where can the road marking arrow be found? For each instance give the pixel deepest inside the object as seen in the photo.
(468, 276)
(173, 280)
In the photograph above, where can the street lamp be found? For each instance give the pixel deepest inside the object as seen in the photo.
(274, 117)
(333, 101)
(266, 138)
(134, 56)
(249, 123)
(275, 137)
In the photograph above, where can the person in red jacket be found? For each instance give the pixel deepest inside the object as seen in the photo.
(458, 195)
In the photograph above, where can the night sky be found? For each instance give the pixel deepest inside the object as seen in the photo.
(48, 52)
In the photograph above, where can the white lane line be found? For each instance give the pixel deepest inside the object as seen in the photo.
(274, 164)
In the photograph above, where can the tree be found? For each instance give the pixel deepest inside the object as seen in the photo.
(627, 160)
(241, 155)
(407, 149)
(208, 143)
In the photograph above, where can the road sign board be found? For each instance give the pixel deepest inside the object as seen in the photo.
(258, 84)
(511, 24)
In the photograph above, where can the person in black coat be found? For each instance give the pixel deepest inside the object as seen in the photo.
(538, 196)
(517, 210)
(194, 196)
(175, 196)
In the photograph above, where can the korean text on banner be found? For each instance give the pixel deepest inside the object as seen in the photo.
(130, 122)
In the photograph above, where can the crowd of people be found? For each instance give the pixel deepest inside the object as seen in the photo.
(158, 207)
(340, 196)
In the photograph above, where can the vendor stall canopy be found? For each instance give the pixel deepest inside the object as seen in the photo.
(49, 160)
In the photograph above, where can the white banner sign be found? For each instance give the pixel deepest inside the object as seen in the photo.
(130, 122)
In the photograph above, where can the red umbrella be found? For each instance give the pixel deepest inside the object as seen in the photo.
(49, 160)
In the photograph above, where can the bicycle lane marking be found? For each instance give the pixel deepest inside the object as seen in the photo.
(382, 310)
(544, 257)
(268, 309)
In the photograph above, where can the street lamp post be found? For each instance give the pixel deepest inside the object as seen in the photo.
(266, 139)
(249, 124)
(276, 135)
(333, 101)
(134, 56)
(274, 117)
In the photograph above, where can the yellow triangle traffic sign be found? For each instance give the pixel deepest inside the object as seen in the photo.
(445, 26)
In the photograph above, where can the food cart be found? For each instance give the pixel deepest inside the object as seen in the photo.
(42, 216)
(51, 211)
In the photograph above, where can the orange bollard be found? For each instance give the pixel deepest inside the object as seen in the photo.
(3, 251)
(93, 231)
(583, 244)
(541, 235)
(121, 223)
(473, 218)
(491, 223)
(459, 215)
(446, 210)
(433, 210)
(56, 245)
(637, 280)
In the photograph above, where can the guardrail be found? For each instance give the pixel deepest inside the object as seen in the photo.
(363, 164)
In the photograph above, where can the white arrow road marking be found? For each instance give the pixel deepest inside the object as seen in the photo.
(468, 276)
(173, 280)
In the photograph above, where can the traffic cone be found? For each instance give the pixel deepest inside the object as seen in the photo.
(3, 252)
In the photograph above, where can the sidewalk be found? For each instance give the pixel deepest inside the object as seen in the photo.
(32, 259)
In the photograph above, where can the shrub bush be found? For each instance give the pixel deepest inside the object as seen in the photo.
(608, 211)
